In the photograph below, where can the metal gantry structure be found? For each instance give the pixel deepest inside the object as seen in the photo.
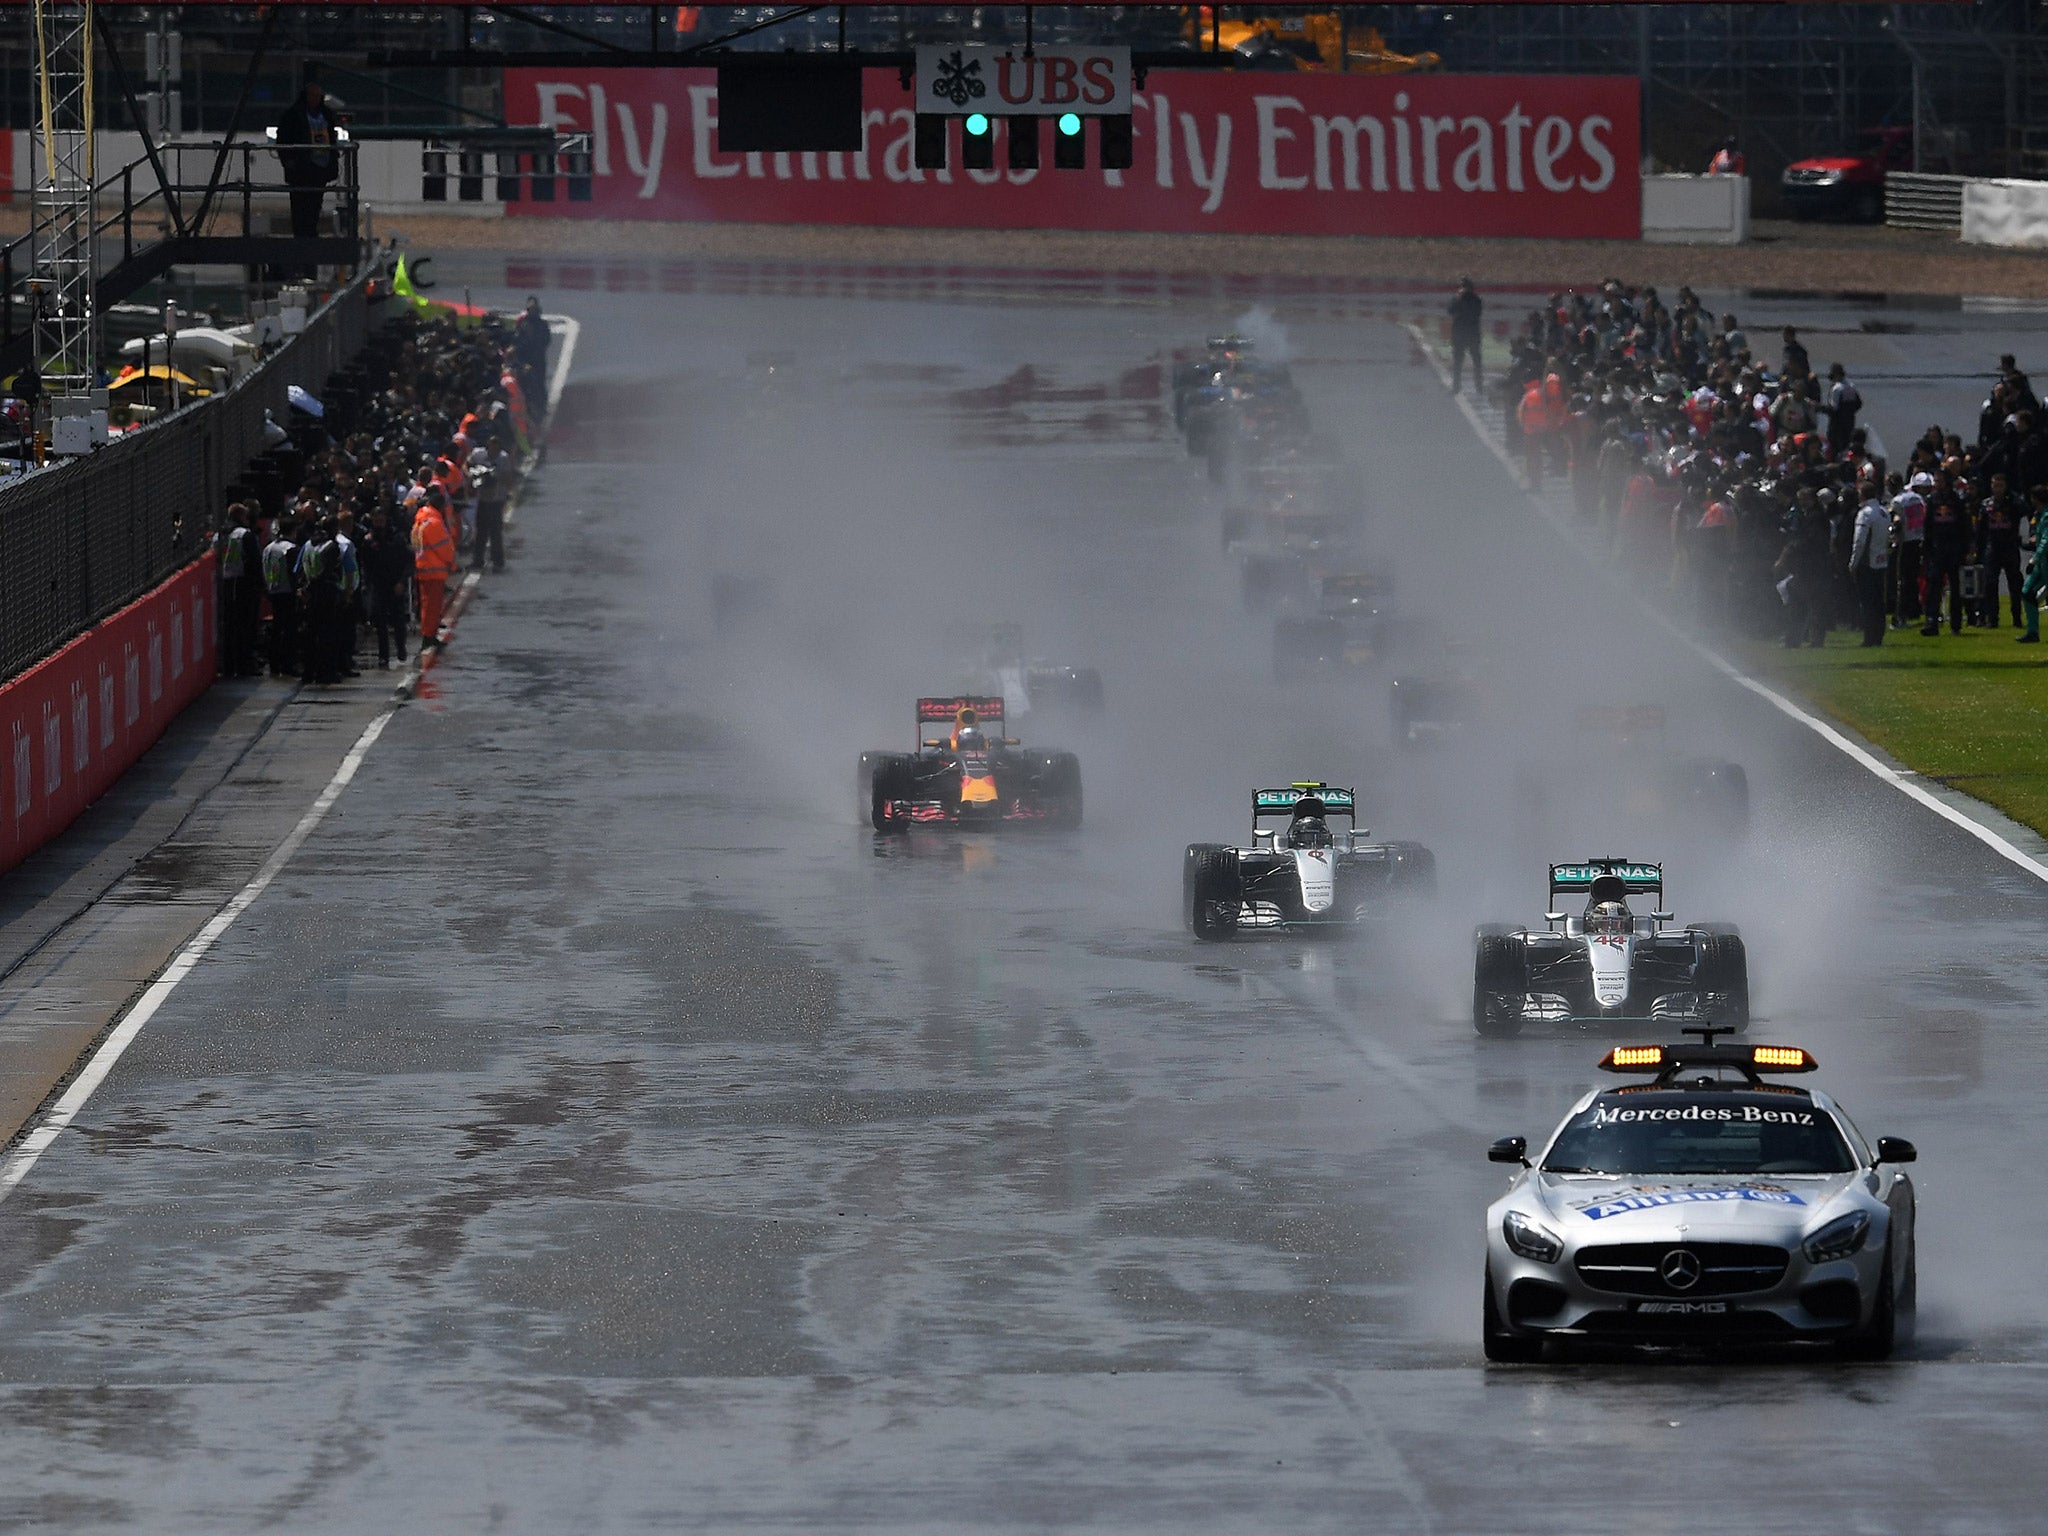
(61, 199)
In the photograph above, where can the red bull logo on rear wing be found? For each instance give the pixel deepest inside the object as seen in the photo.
(989, 709)
(988, 714)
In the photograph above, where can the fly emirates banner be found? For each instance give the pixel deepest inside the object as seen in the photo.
(1248, 152)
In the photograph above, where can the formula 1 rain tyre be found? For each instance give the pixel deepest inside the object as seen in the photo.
(1413, 869)
(1724, 973)
(1212, 889)
(1061, 786)
(1719, 795)
(1503, 1345)
(890, 784)
(1497, 983)
(864, 781)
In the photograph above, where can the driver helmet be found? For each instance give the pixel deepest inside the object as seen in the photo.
(967, 732)
(1308, 829)
(1608, 917)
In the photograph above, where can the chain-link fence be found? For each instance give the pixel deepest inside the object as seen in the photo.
(83, 539)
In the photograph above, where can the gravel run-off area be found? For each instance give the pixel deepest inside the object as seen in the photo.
(1813, 258)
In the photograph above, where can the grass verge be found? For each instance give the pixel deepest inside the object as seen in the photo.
(1969, 710)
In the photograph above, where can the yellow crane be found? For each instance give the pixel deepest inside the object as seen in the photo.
(1315, 40)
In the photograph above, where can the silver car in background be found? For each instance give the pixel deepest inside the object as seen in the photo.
(1706, 1205)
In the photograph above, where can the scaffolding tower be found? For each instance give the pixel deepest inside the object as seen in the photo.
(61, 200)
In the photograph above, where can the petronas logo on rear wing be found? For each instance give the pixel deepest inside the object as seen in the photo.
(1333, 799)
(1580, 877)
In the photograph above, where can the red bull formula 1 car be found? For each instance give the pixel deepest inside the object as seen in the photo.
(967, 773)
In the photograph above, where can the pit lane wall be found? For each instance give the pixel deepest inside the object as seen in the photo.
(1253, 153)
(76, 721)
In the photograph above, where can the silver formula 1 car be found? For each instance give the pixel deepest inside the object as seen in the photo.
(1708, 1205)
(1305, 875)
(1030, 686)
(1608, 965)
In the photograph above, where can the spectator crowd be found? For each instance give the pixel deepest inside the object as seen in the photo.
(1736, 477)
(392, 492)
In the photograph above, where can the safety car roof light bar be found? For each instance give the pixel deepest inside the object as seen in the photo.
(1667, 1063)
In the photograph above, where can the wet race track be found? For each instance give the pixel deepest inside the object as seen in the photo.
(596, 1127)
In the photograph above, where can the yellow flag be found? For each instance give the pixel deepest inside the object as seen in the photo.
(401, 284)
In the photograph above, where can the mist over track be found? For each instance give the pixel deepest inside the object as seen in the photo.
(683, 1157)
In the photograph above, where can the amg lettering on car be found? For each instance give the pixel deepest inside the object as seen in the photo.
(1683, 1308)
(1748, 1114)
(1626, 1203)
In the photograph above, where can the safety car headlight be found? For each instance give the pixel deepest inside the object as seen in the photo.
(1530, 1240)
(1839, 1238)
(1827, 178)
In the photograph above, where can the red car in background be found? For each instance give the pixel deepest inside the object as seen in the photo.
(1848, 185)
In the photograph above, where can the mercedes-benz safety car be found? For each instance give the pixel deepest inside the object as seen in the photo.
(1353, 626)
(1031, 685)
(1301, 873)
(967, 773)
(1711, 1203)
(1608, 964)
(1622, 771)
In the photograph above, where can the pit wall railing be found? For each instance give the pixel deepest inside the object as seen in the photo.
(82, 539)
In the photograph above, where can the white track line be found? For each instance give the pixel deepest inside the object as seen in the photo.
(571, 329)
(1904, 782)
(24, 1156)
(110, 1050)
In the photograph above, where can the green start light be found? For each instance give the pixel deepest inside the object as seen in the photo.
(1070, 124)
(977, 123)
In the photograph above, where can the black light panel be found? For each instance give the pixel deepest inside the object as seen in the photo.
(788, 104)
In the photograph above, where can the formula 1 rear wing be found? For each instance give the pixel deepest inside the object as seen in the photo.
(1352, 587)
(943, 712)
(1281, 802)
(1607, 879)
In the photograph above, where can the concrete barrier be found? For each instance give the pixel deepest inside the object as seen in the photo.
(2010, 213)
(1696, 210)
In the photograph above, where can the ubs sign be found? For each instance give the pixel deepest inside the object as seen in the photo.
(1008, 82)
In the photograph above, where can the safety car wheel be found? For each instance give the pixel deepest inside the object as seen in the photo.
(1876, 1338)
(1496, 983)
(1724, 970)
(1212, 887)
(1501, 1343)
(1907, 1312)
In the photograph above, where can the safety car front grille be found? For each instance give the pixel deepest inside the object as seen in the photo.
(1725, 1269)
